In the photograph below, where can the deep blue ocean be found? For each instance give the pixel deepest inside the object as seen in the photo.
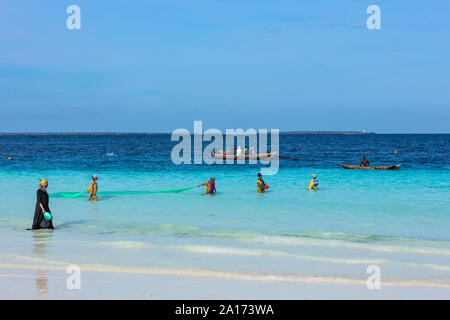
(152, 152)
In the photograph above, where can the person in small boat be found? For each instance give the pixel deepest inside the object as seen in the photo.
(210, 185)
(93, 187)
(260, 185)
(314, 183)
(42, 206)
(364, 162)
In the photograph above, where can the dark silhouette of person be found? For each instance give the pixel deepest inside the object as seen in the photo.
(364, 162)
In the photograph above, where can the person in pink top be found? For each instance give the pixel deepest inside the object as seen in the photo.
(210, 185)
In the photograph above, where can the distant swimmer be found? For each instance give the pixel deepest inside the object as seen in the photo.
(260, 185)
(364, 162)
(314, 183)
(93, 187)
(9, 158)
(39, 220)
(210, 185)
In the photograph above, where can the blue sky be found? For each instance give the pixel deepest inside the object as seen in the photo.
(158, 65)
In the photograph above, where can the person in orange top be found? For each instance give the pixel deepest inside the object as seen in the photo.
(93, 187)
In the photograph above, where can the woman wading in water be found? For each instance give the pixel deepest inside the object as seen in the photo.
(39, 222)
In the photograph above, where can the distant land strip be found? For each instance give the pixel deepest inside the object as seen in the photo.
(155, 133)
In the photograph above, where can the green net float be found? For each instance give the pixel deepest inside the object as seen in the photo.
(48, 216)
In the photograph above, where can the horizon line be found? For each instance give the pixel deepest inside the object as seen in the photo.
(293, 132)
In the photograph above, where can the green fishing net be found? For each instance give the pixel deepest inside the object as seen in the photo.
(75, 195)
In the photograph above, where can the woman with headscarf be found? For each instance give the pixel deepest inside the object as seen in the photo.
(39, 221)
(260, 184)
(314, 183)
(210, 185)
(93, 187)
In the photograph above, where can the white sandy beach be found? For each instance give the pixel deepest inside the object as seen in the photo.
(37, 282)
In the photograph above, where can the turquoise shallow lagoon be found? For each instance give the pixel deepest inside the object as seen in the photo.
(397, 220)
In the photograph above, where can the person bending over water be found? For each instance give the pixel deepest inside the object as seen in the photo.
(314, 183)
(210, 185)
(364, 162)
(260, 185)
(93, 187)
(39, 222)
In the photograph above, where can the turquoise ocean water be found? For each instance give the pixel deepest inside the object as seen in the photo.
(398, 220)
